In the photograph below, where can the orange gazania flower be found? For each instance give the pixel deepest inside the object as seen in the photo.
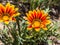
(8, 12)
(37, 19)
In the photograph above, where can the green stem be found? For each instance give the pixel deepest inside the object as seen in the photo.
(18, 25)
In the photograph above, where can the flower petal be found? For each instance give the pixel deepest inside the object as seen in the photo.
(29, 27)
(37, 29)
(6, 22)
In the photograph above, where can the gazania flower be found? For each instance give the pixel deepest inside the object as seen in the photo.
(8, 12)
(37, 19)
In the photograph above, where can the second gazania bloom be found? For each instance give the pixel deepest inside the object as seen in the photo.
(37, 19)
(8, 12)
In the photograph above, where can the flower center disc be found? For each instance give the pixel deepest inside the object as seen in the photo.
(36, 24)
(5, 18)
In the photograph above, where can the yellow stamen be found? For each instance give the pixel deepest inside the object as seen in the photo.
(36, 24)
(5, 18)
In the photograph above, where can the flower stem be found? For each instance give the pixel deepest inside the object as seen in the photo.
(17, 20)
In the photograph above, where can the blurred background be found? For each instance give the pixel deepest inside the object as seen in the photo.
(26, 5)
